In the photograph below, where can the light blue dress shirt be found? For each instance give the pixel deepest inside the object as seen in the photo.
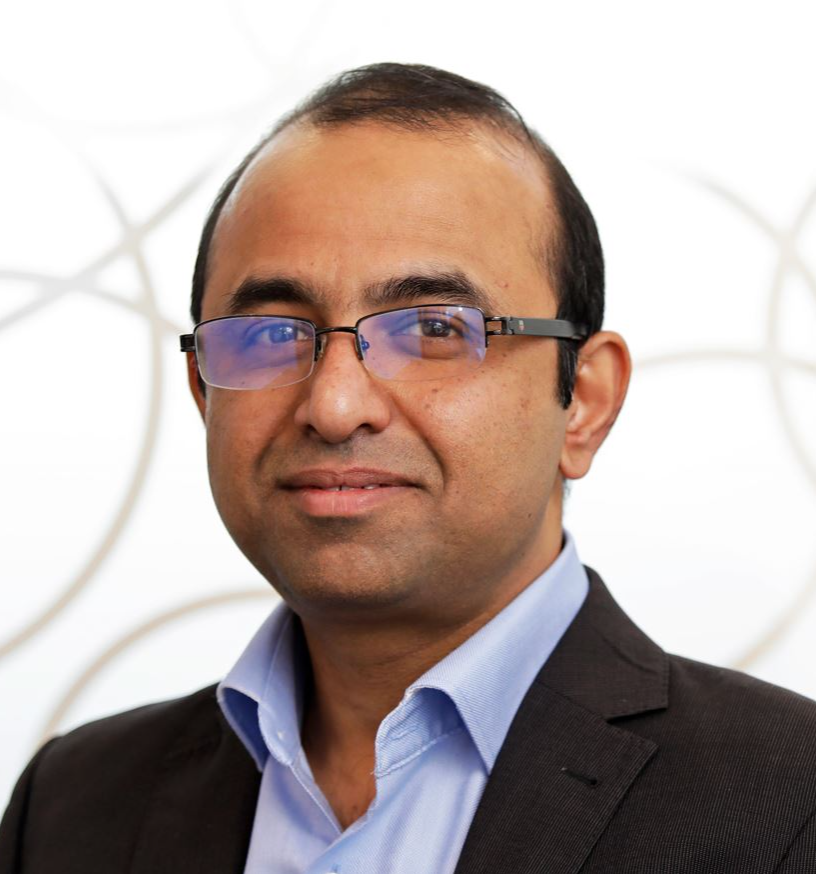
(433, 753)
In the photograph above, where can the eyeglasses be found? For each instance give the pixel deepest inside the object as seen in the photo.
(406, 344)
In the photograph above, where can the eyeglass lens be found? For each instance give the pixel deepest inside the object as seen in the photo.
(249, 352)
(415, 343)
(429, 342)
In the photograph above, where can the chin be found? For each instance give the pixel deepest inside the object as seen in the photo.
(339, 584)
(322, 597)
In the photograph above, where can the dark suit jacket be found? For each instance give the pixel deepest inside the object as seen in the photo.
(620, 759)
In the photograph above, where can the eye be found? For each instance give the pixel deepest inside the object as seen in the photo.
(276, 333)
(436, 327)
(281, 333)
(433, 326)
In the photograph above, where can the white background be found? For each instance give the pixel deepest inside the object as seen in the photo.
(689, 128)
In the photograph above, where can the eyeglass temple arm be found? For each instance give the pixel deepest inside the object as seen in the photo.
(559, 328)
(187, 342)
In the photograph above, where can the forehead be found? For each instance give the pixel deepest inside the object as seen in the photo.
(341, 208)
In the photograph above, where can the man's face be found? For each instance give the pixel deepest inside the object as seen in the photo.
(468, 464)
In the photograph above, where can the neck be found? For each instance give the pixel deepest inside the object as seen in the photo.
(358, 678)
(359, 675)
(360, 671)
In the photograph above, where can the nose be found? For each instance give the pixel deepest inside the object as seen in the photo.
(341, 396)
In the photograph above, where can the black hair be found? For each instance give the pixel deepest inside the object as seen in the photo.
(422, 98)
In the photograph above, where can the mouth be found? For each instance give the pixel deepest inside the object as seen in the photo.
(334, 479)
(328, 492)
(350, 488)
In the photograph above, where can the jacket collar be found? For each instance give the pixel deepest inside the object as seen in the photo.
(564, 769)
(605, 663)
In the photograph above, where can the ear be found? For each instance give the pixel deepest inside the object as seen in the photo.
(602, 378)
(196, 386)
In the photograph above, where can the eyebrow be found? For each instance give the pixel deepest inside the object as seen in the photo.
(258, 290)
(445, 287)
(451, 287)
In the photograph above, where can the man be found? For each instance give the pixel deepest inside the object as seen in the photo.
(399, 362)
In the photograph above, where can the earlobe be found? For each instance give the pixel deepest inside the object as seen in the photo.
(196, 386)
(601, 382)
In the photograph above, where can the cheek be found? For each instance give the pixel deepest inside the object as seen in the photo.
(499, 430)
(239, 426)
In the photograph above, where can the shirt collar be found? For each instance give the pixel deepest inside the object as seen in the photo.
(489, 674)
(261, 696)
(486, 677)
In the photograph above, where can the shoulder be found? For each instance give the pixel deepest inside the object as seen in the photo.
(735, 759)
(124, 750)
(713, 702)
(103, 772)
(701, 677)
(142, 731)
(730, 742)
(619, 672)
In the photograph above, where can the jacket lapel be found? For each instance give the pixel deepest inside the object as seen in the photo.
(202, 810)
(564, 769)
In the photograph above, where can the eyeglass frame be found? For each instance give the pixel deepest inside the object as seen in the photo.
(510, 326)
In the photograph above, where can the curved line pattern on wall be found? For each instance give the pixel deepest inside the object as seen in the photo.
(132, 637)
(775, 361)
(50, 290)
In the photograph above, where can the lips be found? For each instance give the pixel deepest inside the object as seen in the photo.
(345, 488)
(345, 480)
(354, 492)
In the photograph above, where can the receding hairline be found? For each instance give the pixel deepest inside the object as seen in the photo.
(511, 140)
